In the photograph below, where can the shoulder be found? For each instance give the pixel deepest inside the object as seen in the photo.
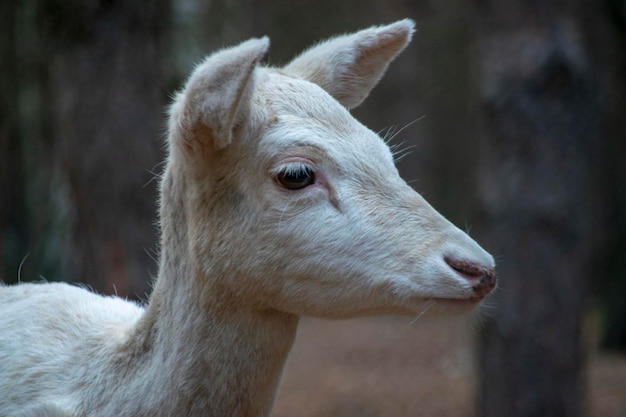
(64, 305)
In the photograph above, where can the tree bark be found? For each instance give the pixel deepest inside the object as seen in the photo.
(541, 106)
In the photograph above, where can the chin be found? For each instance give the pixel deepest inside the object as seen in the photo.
(447, 306)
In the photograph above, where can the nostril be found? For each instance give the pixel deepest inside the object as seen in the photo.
(468, 269)
(482, 278)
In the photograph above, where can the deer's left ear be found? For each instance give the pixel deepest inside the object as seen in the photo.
(349, 66)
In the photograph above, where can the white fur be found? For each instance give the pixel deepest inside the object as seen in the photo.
(242, 256)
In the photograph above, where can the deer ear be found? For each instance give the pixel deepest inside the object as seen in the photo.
(215, 96)
(349, 66)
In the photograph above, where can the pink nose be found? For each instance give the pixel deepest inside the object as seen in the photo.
(482, 278)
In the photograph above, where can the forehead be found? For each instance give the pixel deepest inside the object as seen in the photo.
(303, 113)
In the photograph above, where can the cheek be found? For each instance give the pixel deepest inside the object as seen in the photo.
(293, 212)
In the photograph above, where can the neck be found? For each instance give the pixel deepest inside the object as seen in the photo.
(199, 352)
(222, 363)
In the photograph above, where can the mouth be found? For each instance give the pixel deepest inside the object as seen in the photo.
(458, 304)
(461, 301)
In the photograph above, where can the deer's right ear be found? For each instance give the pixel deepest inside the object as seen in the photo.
(215, 97)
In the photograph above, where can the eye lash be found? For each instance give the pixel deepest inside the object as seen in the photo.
(295, 168)
(295, 175)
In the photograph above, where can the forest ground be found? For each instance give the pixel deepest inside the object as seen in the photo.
(398, 367)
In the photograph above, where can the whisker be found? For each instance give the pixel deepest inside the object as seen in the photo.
(392, 132)
(381, 131)
(419, 316)
(155, 175)
(152, 255)
(19, 269)
(400, 153)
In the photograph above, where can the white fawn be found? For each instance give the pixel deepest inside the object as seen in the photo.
(275, 203)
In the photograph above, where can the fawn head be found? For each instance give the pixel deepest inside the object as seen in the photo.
(291, 204)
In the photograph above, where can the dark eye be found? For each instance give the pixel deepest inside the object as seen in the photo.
(296, 176)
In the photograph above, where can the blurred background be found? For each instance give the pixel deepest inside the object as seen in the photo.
(514, 116)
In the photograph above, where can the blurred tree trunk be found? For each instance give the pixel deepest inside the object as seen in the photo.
(541, 99)
(11, 204)
(26, 162)
(607, 33)
(88, 91)
(107, 109)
